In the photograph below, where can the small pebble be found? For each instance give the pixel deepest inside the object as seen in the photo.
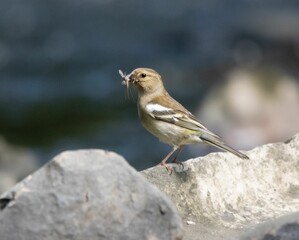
(190, 222)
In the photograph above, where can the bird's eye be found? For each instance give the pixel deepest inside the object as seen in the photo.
(143, 75)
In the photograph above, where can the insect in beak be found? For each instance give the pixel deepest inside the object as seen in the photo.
(127, 79)
(124, 77)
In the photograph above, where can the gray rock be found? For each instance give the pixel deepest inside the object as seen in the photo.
(89, 194)
(224, 195)
(284, 228)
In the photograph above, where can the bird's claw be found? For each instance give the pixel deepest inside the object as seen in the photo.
(179, 163)
(168, 168)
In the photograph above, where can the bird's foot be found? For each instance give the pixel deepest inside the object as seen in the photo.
(178, 163)
(168, 168)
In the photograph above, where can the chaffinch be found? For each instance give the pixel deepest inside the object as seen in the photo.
(167, 119)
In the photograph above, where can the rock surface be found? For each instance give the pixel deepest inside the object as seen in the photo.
(89, 194)
(284, 228)
(95, 194)
(224, 195)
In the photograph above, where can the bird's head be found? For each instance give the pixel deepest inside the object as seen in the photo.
(147, 80)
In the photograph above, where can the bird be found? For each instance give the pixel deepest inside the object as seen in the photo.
(166, 118)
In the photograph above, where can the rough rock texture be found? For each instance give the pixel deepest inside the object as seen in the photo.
(284, 228)
(89, 194)
(221, 195)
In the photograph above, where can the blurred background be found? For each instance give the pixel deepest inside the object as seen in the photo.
(234, 64)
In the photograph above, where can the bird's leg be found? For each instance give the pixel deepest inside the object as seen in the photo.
(177, 155)
(163, 162)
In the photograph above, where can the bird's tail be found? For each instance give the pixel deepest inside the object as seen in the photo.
(217, 142)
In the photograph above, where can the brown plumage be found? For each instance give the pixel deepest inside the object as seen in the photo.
(167, 119)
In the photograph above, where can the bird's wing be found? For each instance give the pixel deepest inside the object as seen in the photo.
(178, 117)
(181, 117)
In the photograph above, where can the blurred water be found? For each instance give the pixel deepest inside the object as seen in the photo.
(59, 61)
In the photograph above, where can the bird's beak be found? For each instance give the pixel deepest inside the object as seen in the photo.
(127, 79)
(131, 78)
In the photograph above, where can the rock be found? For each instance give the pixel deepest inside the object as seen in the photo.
(15, 164)
(284, 228)
(225, 195)
(87, 194)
